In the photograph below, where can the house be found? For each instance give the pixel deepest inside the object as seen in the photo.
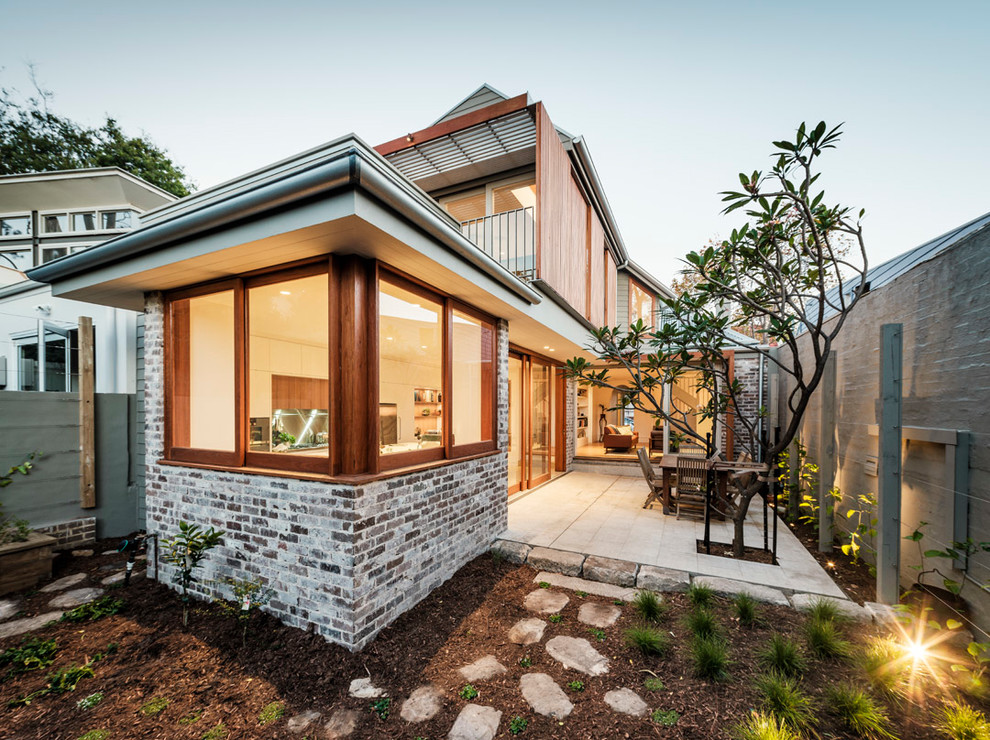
(352, 356)
(45, 216)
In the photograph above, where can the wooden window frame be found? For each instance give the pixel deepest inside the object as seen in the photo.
(489, 390)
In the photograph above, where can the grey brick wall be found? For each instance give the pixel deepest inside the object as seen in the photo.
(570, 420)
(747, 372)
(72, 534)
(344, 560)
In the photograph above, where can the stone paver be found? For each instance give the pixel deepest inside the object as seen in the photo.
(583, 584)
(363, 688)
(626, 701)
(63, 583)
(527, 631)
(342, 723)
(576, 653)
(20, 626)
(109, 552)
(598, 615)
(545, 696)
(482, 669)
(422, 704)
(557, 561)
(654, 578)
(136, 575)
(73, 598)
(609, 570)
(729, 587)
(881, 613)
(514, 552)
(8, 608)
(804, 602)
(299, 723)
(475, 722)
(545, 601)
(82, 553)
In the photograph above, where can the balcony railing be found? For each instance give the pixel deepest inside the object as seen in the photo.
(509, 238)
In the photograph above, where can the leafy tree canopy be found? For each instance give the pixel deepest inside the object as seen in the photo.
(34, 139)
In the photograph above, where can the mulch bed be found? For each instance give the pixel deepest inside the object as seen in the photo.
(854, 578)
(205, 672)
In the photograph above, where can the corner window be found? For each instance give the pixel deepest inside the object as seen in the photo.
(123, 219)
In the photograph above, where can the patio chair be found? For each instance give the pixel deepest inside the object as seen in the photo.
(692, 487)
(655, 484)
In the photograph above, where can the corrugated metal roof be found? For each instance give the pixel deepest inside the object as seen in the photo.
(494, 138)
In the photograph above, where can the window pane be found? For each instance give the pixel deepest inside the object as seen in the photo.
(27, 367)
(467, 208)
(517, 443)
(203, 367)
(541, 395)
(640, 304)
(15, 226)
(83, 221)
(289, 367)
(55, 363)
(514, 196)
(410, 370)
(19, 260)
(47, 255)
(471, 394)
(117, 219)
(56, 222)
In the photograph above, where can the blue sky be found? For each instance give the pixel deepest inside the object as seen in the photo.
(673, 99)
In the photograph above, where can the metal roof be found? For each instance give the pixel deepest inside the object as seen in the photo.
(482, 97)
(499, 136)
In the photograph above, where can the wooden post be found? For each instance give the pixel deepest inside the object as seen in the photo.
(889, 474)
(87, 416)
(794, 476)
(826, 455)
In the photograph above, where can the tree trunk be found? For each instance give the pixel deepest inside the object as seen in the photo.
(738, 546)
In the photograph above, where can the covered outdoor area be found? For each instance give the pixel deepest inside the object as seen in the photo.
(601, 514)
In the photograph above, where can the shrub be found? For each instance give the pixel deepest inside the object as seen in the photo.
(824, 640)
(884, 662)
(711, 658)
(665, 717)
(745, 609)
(784, 699)
(759, 726)
(517, 725)
(31, 655)
(782, 655)
(650, 607)
(648, 641)
(155, 705)
(700, 595)
(857, 711)
(468, 692)
(186, 551)
(652, 683)
(247, 596)
(962, 722)
(271, 713)
(104, 606)
(702, 623)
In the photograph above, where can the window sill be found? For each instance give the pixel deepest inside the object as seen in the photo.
(351, 480)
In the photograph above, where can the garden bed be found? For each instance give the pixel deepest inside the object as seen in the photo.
(208, 678)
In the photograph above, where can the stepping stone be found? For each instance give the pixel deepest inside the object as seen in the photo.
(73, 598)
(652, 578)
(527, 631)
(626, 701)
(882, 613)
(342, 723)
(514, 552)
(804, 602)
(609, 570)
(583, 584)
(545, 601)
(82, 553)
(558, 561)
(63, 583)
(362, 688)
(298, 724)
(482, 669)
(475, 722)
(729, 587)
(136, 575)
(109, 552)
(576, 653)
(20, 626)
(545, 696)
(8, 608)
(598, 614)
(422, 704)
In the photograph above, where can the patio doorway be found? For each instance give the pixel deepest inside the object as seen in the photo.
(533, 421)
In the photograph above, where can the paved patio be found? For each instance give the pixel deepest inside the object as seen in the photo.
(602, 514)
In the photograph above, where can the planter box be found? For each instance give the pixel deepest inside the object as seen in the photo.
(24, 564)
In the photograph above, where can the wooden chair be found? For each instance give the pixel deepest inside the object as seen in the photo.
(655, 484)
(692, 487)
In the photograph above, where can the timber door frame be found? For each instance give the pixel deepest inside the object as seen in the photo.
(556, 420)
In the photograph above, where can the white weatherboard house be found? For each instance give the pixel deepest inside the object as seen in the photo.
(352, 356)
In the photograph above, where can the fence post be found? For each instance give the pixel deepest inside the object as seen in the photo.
(826, 454)
(889, 474)
(87, 415)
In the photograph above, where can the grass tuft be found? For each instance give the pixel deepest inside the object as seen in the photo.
(217, 732)
(760, 726)
(155, 705)
(825, 610)
(650, 607)
(702, 623)
(95, 735)
(648, 641)
(857, 711)
(884, 661)
(824, 640)
(652, 683)
(784, 699)
(701, 595)
(711, 658)
(271, 713)
(783, 655)
(962, 722)
(745, 606)
(665, 717)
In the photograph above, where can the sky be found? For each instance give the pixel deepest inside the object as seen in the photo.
(674, 99)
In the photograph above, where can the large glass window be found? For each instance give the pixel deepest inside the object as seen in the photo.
(467, 207)
(15, 226)
(203, 379)
(84, 221)
(55, 223)
(640, 304)
(288, 364)
(410, 370)
(472, 381)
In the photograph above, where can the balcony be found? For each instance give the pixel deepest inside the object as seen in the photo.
(509, 238)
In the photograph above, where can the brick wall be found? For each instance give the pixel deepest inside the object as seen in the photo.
(570, 420)
(747, 371)
(73, 533)
(344, 560)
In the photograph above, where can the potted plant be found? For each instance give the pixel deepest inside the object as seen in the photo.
(25, 556)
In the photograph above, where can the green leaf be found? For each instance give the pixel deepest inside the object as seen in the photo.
(952, 624)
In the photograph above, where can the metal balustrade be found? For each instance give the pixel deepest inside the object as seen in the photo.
(509, 238)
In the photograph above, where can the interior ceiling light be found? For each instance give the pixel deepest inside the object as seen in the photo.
(285, 292)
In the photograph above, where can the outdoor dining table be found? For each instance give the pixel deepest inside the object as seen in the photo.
(724, 469)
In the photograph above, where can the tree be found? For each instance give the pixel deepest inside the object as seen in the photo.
(786, 272)
(33, 139)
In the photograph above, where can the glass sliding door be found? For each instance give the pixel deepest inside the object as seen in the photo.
(516, 414)
(532, 421)
(541, 428)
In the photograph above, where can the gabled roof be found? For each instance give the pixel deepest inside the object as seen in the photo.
(481, 98)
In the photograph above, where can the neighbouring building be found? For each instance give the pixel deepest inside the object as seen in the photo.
(353, 355)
